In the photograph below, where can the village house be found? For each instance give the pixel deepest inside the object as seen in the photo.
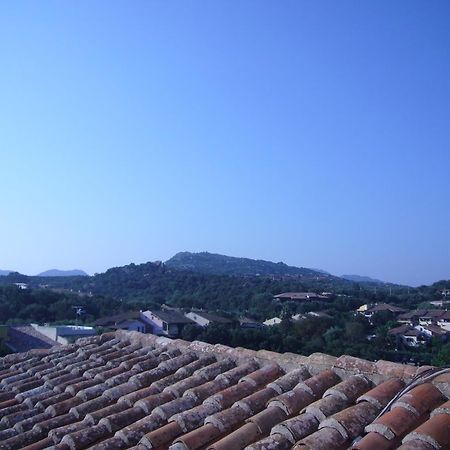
(444, 320)
(273, 321)
(408, 335)
(204, 319)
(413, 336)
(129, 321)
(433, 331)
(411, 317)
(431, 316)
(167, 322)
(379, 307)
(246, 322)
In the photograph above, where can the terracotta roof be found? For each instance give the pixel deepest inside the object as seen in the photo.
(402, 329)
(412, 314)
(171, 316)
(385, 307)
(433, 314)
(131, 390)
(435, 329)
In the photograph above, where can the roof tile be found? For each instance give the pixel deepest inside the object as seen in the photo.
(238, 439)
(420, 399)
(394, 423)
(127, 387)
(298, 427)
(272, 442)
(434, 431)
(416, 445)
(380, 395)
(374, 441)
(351, 421)
(325, 438)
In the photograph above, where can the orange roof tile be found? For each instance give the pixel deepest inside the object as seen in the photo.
(128, 390)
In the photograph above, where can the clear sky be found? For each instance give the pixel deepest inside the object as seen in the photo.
(312, 132)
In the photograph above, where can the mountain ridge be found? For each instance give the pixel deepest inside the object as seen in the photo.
(62, 273)
(362, 279)
(217, 264)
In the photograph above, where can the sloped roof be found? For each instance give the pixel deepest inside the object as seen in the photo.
(435, 329)
(22, 338)
(412, 314)
(171, 316)
(433, 313)
(212, 317)
(130, 390)
(400, 330)
(385, 307)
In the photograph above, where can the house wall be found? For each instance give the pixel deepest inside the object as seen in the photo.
(61, 333)
(155, 324)
(50, 332)
(444, 324)
(148, 316)
(411, 341)
(132, 325)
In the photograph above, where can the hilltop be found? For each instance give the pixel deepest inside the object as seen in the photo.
(62, 273)
(216, 264)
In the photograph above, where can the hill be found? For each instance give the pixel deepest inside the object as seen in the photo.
(215, 264)
(149, 285)
(361, 279)
(62, 273)
(3, 273)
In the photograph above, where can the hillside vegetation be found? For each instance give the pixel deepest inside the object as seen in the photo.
(149, 285)
(212, 263)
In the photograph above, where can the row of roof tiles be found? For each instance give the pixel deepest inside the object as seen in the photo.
(128, 390)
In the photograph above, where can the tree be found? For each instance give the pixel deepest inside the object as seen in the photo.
(443, 356)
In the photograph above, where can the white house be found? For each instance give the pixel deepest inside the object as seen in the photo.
(204, 319)
(272, 321)
(130, 321)
(444, 321)
(166, 322)
(64, 334)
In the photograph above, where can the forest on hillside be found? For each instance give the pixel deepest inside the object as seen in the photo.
(149, 285)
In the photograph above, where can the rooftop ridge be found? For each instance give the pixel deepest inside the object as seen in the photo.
(344, 365)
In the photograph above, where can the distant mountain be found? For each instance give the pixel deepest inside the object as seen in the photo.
(3, 273)
(215, 264)
(62, 273)
(361, 279)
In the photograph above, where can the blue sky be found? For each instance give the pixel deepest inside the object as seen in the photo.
(313, 132)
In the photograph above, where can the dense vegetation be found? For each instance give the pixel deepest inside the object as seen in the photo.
(149, 285)
(19, 306)
(343, 333)
(214, 264)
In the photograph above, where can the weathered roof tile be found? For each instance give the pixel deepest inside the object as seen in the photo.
(127, 389)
